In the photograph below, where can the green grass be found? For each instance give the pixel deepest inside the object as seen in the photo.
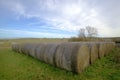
(15, 66)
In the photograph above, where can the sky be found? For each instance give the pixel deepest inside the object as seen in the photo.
(58, 18)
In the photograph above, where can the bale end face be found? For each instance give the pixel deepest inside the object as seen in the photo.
(83, 57)
(93, 53)
(102, 50)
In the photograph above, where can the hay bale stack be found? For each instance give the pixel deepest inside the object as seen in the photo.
(72, 56)
(49, 53)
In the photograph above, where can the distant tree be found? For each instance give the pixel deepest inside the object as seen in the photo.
(81, 33)
(91, 31)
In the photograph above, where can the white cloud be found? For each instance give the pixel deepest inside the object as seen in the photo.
(71, 10)
(14, 6)
(19, 33)
(69, 15)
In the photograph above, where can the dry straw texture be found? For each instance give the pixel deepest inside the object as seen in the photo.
(40, 51)
(109, 46)
(104, 48)
(49, 53)
(93, 52)
(63, 56)
(83, 57)
(101, 49)
(72, 56)
(25, 48)
(32, 51)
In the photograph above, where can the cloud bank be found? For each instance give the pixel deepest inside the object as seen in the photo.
(68, 15)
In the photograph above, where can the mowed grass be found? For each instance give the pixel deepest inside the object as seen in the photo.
(15, 66)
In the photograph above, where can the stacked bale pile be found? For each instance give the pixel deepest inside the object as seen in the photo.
(71, 56)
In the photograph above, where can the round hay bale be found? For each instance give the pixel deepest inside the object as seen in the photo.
(25, 48)
(32, 49)
(19, 48)
(93, 51)
(49, 53)
(72, 56)
(83, 57)
(22, 48)
(64, 54)
(40, 50)
(109, 47)
(93, 48)
(102, 49)
(112, 45)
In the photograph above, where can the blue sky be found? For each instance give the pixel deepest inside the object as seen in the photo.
(58, 18)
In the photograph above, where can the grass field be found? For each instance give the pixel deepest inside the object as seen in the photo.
(15, 66)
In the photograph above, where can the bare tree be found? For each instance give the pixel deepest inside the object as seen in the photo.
(81, 33)
(91, 31)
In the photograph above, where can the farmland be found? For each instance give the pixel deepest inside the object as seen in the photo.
(14, 66)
